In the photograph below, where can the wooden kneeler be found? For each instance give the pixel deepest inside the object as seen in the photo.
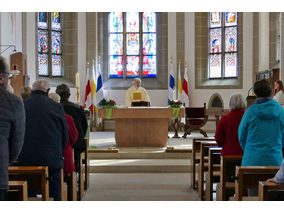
(36, 176)
(18, 191)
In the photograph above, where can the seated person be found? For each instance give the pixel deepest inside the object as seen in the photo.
(136, 93)
(227, 130)
(25, 92)
(261, 132)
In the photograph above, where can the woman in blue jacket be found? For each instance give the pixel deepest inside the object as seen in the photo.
(261, 131)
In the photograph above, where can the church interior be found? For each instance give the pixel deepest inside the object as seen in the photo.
(149, 152)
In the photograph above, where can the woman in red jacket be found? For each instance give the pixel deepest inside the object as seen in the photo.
(69, 166)
(226, 134)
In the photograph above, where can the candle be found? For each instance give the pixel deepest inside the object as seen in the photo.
(174, 95)
(77, 88)
(108, 95)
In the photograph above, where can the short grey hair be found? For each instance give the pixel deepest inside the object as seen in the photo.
(54, 97)
(40, 85)
(237, 101)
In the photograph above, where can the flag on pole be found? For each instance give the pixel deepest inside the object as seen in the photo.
(88, 97)
(179, 83)
(172, 88)
(185, 96)
(93, 89)
(99, 90)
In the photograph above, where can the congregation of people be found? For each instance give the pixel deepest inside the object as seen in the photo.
(41, 130)
(257, 133)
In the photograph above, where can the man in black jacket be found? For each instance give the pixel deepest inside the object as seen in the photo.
(46, 135)
(12, 127)
(77, 112)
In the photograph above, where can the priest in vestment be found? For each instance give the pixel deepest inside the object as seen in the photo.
(136, 93)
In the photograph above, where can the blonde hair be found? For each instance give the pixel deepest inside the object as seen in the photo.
(25, 92)
(54, 97)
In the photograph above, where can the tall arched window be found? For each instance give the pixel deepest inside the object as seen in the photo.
(49, 36)
(223, 43)
(132, 44)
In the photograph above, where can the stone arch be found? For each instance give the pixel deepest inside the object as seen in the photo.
(216, 101)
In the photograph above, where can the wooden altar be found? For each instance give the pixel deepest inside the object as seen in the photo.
(141, 126)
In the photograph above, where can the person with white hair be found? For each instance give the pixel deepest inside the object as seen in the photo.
(46, 135)
(226, 134)
(137, 93)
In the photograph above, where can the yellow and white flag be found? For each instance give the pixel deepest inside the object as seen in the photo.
(179, 83)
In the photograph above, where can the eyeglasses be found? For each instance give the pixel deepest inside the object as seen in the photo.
(10, 75)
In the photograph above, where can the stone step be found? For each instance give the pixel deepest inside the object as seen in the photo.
(150, 154)
(140, 165)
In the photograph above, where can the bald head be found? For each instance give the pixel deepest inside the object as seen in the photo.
(137, 82)
(4, 73)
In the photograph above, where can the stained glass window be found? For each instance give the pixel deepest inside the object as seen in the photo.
(223, 42)
(55, 21)
(43, 64)
(49, 44)
(42, 41)
(137, 56)
(42, 20)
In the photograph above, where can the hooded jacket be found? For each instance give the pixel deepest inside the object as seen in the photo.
(261, 134)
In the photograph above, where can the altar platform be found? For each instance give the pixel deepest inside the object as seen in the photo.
(140, 159)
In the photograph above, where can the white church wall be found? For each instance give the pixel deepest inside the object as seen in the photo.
(11, 33)
(30, 46)
(263, 41)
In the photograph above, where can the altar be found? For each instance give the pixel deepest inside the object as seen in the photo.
(141, 126)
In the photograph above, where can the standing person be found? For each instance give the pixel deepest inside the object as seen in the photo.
(78, 115)
(45, 136)
(25, 92)
(72, 138)
(227, 130)
(279, 94)
(136, 93)
(261, 131)
(12, 128)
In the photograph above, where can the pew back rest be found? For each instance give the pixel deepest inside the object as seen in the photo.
(249, 176)
(270, 191)
(36, 177)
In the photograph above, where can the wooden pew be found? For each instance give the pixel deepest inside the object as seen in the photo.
(86, 166)
(64, 188)
(72, 186)
(204, 149)
(213, 174)
(270, 191)
(226, 187)
(18, 191)
(36, 177)
(249, 176)
(81, 177)
(196, 157)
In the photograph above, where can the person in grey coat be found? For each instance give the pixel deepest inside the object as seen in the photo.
(12, 128)
(46, 135)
